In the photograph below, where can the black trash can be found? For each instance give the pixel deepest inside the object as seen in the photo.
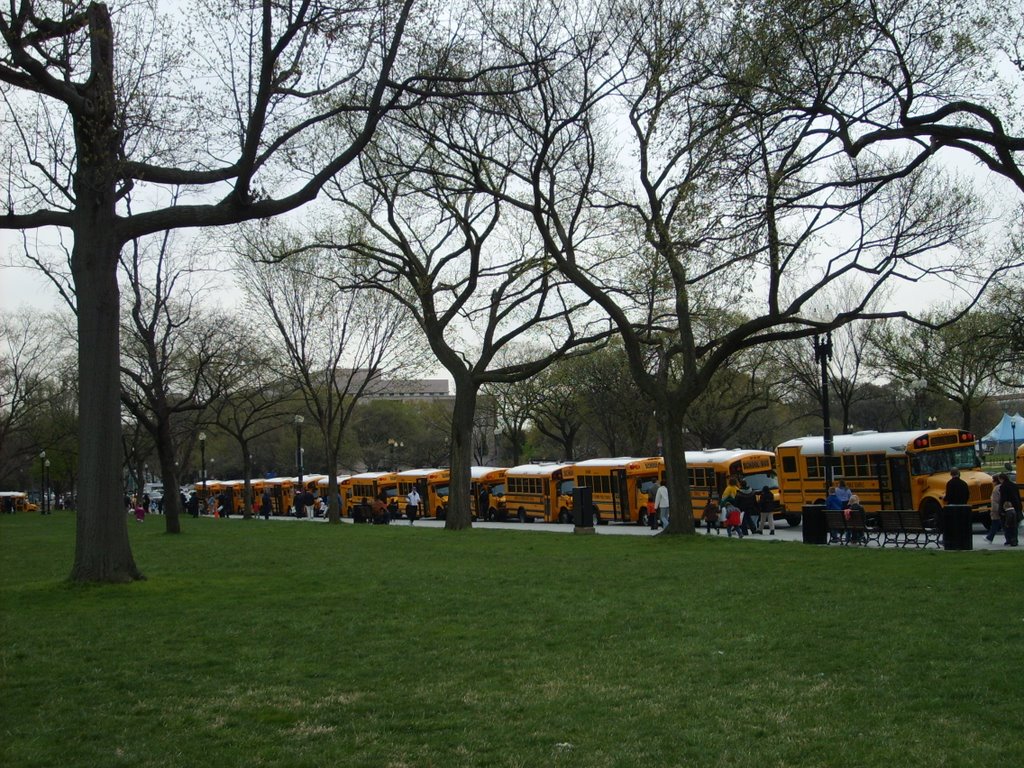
(956, 527)
(815, 529)
(583, 507)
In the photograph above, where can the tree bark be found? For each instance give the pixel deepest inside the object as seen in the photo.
(458, 515)
(670, 422)
(102, 549)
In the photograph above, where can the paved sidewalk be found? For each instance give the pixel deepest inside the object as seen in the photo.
(782, 531)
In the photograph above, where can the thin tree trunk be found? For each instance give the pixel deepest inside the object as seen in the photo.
(172, 499)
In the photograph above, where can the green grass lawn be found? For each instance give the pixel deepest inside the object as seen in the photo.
(277, 644)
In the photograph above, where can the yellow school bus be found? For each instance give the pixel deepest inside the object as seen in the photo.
(420, 479)
(486, 493)
(324, 481)
(540, 491)
(709, 470)
(366, 485)
(16, 501)
(282, 494)
(619, 487)
(887, 470)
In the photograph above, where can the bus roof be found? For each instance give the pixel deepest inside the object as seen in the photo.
(536, 469)
(718, 455)
(476, 473)
(618, 461)
(369, 476)
(889, 443)
(422, 472)
(324, 480)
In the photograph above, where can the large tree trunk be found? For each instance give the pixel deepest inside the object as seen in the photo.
(102, 550)
(670, 423)
(459, 515)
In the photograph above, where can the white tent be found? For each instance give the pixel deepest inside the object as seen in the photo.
(1004, 431)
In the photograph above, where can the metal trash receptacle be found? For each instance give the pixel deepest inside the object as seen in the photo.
(956, 527)
(815, 529)
(583, 508)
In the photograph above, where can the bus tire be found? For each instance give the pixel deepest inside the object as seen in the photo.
(564, 517)
(521, 515)
(930, 511)
(440, 513)
(793, 520)
(492, 515)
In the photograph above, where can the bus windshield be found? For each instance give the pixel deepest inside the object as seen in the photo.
(944, 460)
(758, 481)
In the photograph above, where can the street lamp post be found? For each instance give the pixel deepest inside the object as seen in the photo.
(42, 482)
(917, 386)
(202, 453)
(822, 354)
(298, 447)
(1013, 435)
(394, 446)
(47, 508)
(932, 421)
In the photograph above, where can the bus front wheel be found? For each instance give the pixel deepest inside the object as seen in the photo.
(930, 511)
(793, 520)
(564, 516)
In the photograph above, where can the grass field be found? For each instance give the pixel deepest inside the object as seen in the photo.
(276, 644)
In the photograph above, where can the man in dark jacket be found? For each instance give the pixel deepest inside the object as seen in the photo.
(957, 491)
(746, 502)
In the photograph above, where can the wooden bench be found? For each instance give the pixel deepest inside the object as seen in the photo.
(852, 530)
(902, 527)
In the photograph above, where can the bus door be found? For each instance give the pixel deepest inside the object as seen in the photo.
(621, 502)
(902, 498)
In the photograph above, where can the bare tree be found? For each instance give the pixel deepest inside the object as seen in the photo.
(171, 338)
(252, 396)
(295, 91)
(337, 341)
(475, 279)
(962, 361)
(928, 76)
(739, 201)
(26, 356)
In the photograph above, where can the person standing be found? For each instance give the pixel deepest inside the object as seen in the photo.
(732, 487)
(412, 504)
(957, 491)
(711, 515)
(1011, 509)
(661, 502)
(193, 504)
(995, 511)
(766, 506)
(843, 492)
(747, 503)
(266, 504)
